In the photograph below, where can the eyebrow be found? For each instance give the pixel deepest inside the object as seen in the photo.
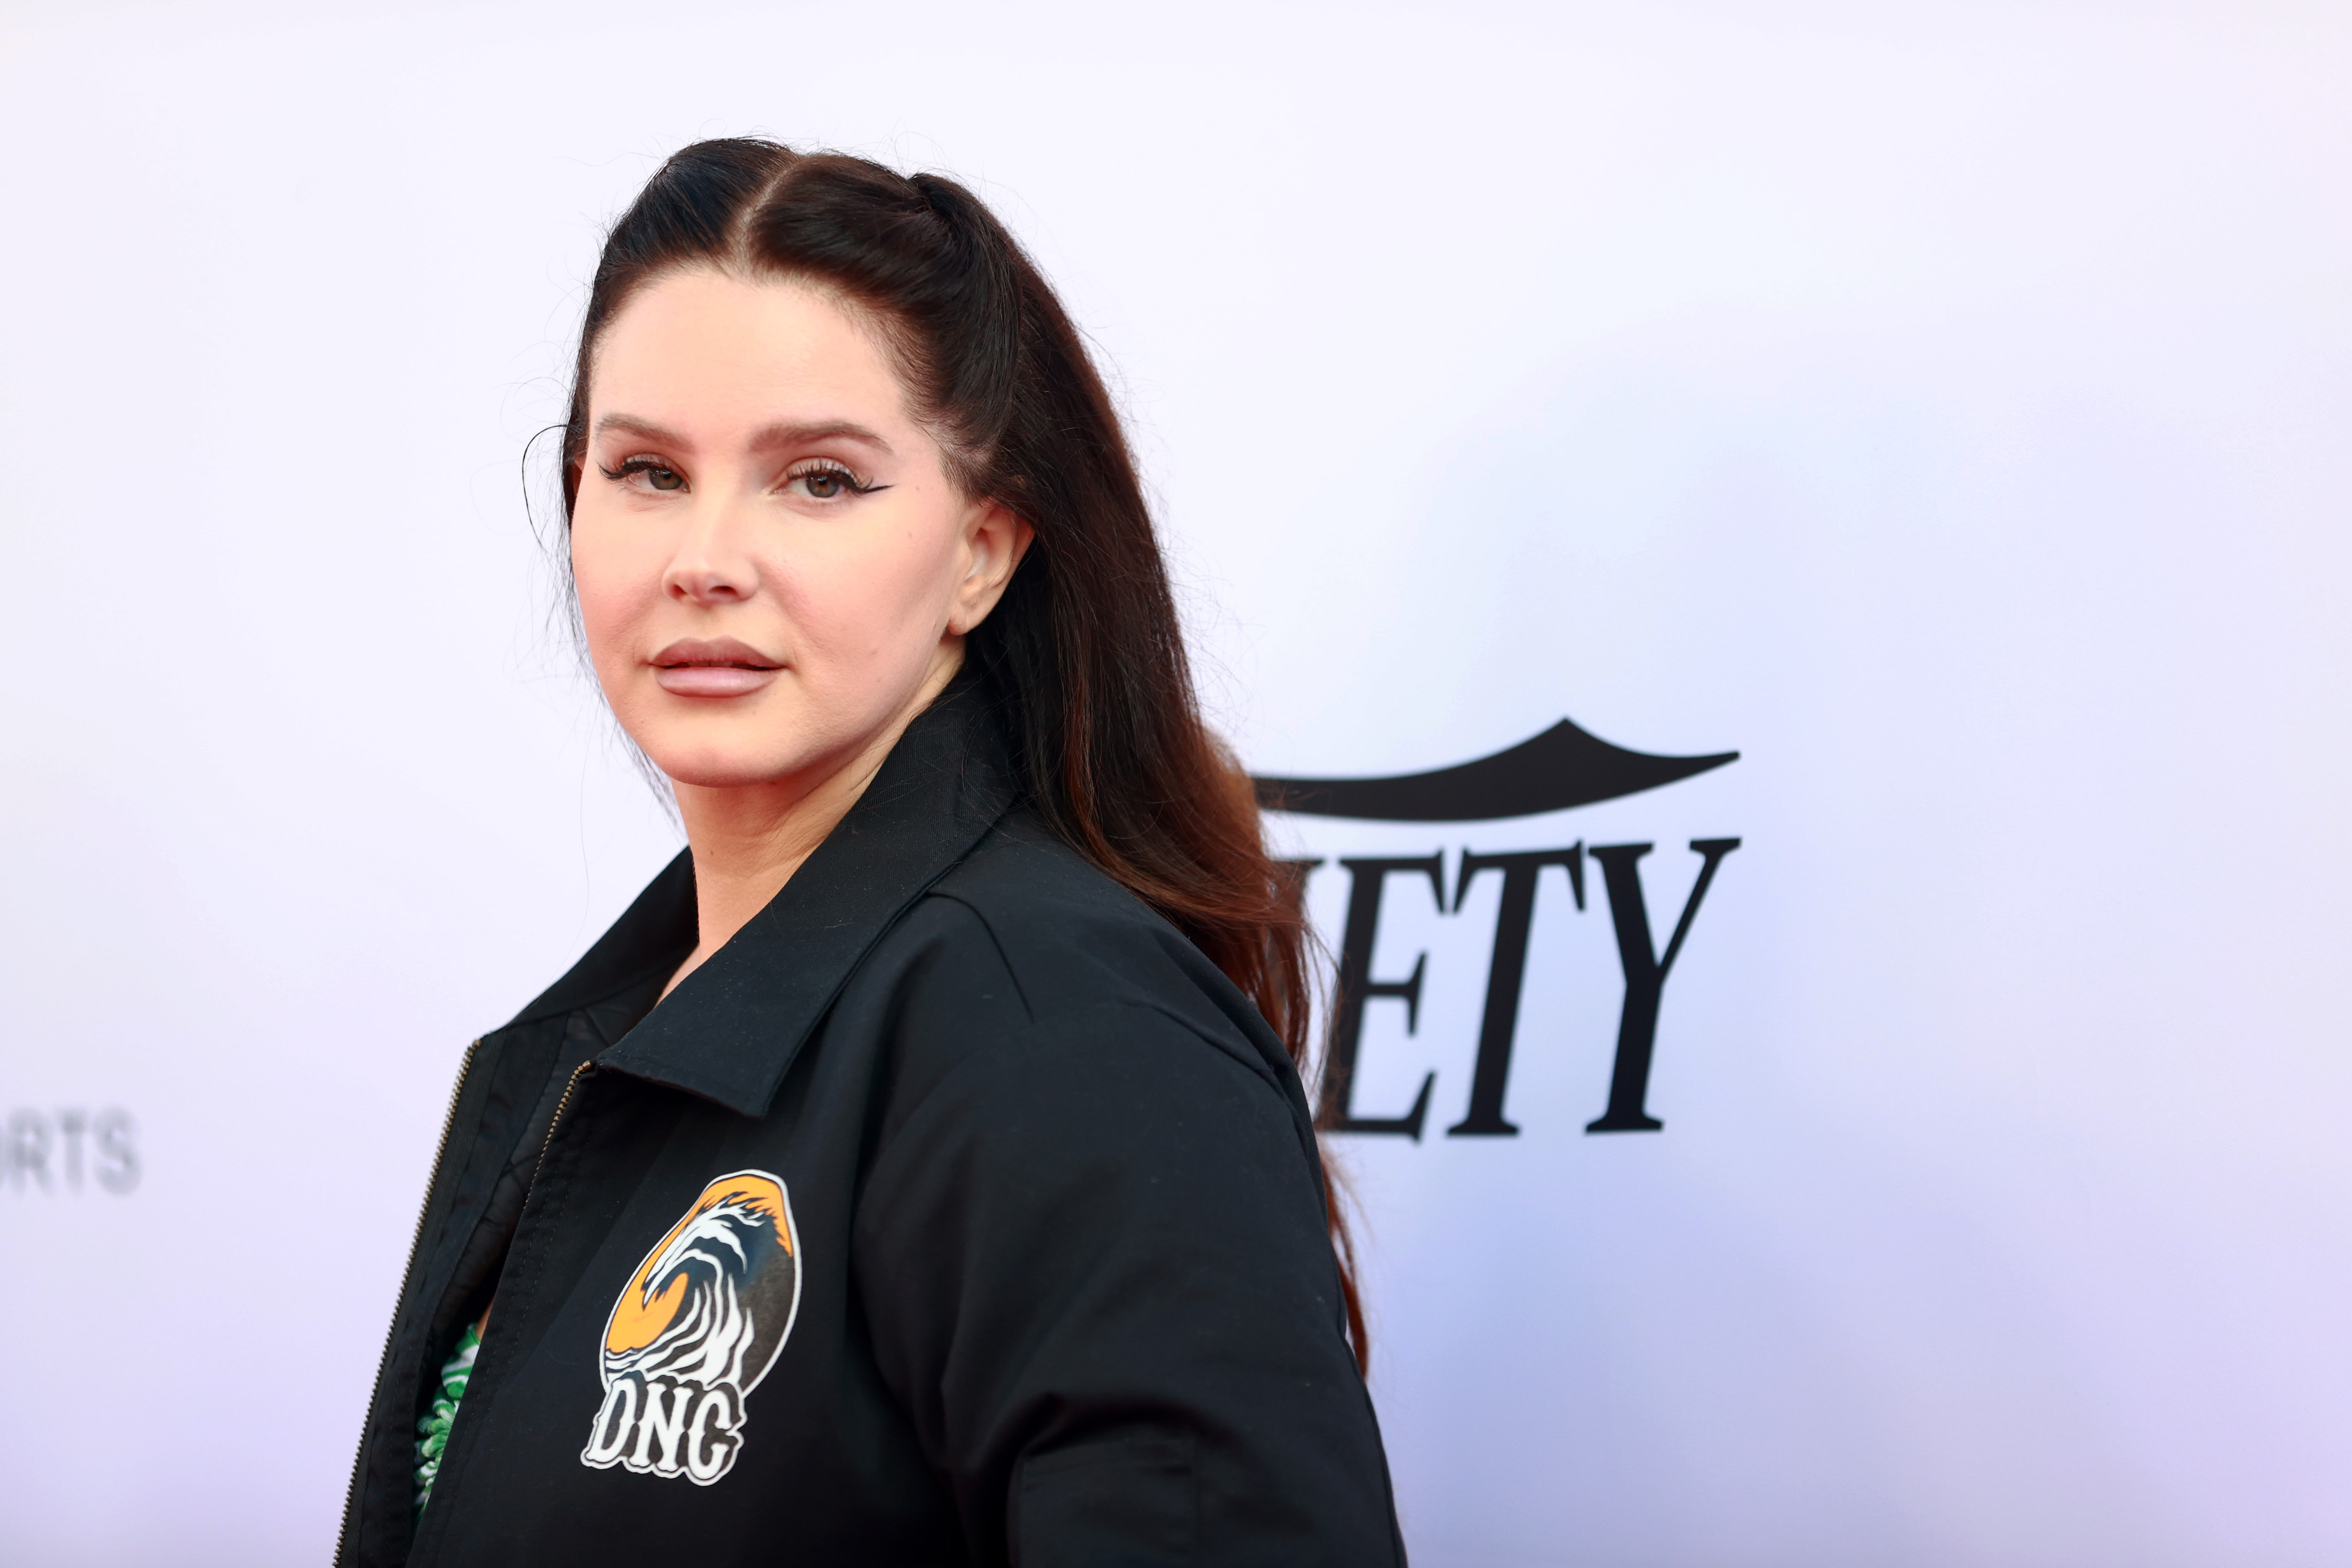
(767, 439)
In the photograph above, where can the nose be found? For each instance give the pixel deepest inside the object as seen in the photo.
(712, 565)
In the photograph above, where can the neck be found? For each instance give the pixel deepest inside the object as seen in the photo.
(749, 839)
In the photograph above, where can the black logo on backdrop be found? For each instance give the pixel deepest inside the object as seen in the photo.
(1562, 768)
(42, 1151)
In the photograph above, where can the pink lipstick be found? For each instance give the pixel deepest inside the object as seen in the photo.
(719, 667)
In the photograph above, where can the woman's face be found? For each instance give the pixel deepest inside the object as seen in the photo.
(774, 568)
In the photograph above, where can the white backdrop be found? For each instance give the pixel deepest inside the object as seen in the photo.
(1944, 407)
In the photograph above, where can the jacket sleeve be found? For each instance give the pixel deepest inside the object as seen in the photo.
(1093, 1261)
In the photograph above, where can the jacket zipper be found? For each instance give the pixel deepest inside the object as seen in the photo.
(557, 1119)
(415, 1239)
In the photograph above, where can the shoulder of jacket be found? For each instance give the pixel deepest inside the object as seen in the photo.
(1073, 938)
(1081, 952)
(1029, 888)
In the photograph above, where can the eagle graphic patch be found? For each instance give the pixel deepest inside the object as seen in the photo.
(697, 1327)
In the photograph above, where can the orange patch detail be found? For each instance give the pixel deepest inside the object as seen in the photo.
(639, 1319)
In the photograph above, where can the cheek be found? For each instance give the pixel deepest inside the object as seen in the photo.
(877, 603)
(617, 583)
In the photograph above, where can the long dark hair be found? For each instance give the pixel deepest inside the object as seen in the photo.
(1082, 656)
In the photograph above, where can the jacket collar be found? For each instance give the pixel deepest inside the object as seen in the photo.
(732, 1028)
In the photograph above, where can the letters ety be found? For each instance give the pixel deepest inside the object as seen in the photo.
(1646, 971)
(1563, 768)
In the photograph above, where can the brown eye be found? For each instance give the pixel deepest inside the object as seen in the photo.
(825, 484)
(656, 476)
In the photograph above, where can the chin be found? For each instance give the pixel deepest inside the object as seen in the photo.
(733, 749)
(721, 761)
(720, 771)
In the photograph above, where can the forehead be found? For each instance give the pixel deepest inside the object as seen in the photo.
(713, 349)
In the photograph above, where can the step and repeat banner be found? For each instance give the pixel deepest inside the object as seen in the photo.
(1783, 570)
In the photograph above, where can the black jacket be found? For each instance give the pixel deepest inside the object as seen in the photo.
(957, 1210)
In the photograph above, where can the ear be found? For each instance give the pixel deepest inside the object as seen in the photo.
(994, 541)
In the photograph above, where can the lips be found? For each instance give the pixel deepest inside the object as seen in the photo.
(721, 667)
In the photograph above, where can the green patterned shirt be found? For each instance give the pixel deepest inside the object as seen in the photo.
(434, 1431)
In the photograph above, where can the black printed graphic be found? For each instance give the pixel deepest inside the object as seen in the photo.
(1370, 881)
(1507, 974)
(1645, 975)
(1564, 767)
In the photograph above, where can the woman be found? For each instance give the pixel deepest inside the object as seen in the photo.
(918, 1172)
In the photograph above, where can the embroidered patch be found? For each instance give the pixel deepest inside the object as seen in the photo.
(697, 1327)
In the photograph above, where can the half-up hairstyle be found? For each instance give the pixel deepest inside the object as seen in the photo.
(1083, 657)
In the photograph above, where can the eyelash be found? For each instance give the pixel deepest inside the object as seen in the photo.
(630, 467)
(849, 481)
